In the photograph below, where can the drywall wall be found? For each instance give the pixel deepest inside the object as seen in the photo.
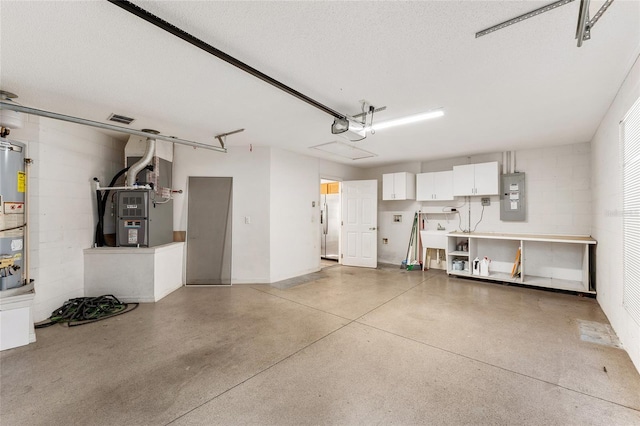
(607, 213)
(295, 215)
(63, 209)
(275, 190)
(250, 170)
(337, 171)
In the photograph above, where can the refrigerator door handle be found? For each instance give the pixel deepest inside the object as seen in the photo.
(325, 223)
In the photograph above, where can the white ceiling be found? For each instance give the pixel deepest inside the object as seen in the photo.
(524, 86)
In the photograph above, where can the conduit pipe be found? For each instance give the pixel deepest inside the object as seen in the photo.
(141, 163)
(512, 162)
(172, 29)
(105, 126)
(117, 188)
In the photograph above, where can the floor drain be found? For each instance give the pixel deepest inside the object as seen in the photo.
(596, 332)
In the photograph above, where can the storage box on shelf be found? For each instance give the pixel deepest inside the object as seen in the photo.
(458, 260)
(550, 261)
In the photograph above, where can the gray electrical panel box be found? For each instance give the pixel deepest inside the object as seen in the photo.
(513, 201)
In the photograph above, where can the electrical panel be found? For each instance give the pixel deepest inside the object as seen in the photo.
(513, 206)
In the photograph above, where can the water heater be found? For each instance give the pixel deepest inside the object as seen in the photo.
(13, 187)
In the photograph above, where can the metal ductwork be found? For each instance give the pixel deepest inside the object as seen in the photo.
(144, 161)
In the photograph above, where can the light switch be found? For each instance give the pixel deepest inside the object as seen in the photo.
(247, 219)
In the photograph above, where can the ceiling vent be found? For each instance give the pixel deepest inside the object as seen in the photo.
(121, 119)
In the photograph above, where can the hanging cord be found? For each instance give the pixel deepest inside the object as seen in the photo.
(102, 204)
(85, 310)
(460, 222)
(479, 220)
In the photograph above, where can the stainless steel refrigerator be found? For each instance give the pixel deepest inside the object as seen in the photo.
(330, 226)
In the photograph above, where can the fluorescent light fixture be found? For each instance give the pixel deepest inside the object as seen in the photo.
(407, 120)
(344, 149)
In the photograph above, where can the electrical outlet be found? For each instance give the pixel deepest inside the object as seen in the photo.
(486, 201)
(385, 241)
(247, 220)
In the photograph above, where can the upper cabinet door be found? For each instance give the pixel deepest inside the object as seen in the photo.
(487, 179)
(443, 184)
(424, 187)
(387, 186)
(434, 186)
(399, 186)
(463, 180)
(476, 179)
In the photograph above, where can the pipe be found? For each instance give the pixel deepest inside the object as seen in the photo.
(105, 126)
(105, 188)
(25, 232)
(512, 163)
(504, 162)
(142, 163)
(172, 29)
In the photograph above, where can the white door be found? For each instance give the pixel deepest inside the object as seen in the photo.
(360, 223)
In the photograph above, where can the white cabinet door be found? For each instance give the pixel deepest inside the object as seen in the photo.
(434, 186)
(476, 179)
(486, 179)
(424, 186)
(443, 185)
(399, 186)
(463, 180)
(388, 189)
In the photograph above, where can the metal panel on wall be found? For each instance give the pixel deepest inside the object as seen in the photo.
(513, 202)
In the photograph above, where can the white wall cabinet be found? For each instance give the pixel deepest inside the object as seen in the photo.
(552, 261)
(434, 186)
(399, 186)
(476, 179)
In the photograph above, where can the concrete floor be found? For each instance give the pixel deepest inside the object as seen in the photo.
(351, 346)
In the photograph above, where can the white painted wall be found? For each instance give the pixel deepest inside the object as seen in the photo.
(339, 172)
(557, 185)
(295, 229)
(397, 234)
(607, 215)
(250, 170)
(558, 193)
(275, 189)
(62, 204)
